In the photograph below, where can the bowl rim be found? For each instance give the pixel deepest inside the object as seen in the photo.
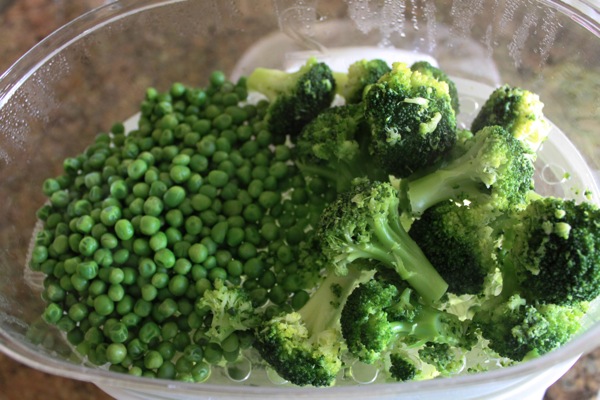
(584, 12)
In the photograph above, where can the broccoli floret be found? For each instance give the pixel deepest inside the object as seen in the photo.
(295, 97)
(335, 146)
(518, 330)
(550, 272)
(379, 314)
(364, 224)
(552, 249)
(447, 359)
(426, 68)
(517, 110)
(231, 309)
(403, 368)
(361, 74)
(305, 347)
(496, 170)
(460, 243)
(411, 119)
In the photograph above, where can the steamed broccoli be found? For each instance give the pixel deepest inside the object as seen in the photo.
(552, 249)
(305, 347)
(518, 329)
(446, 358)
(460, 243)
(295, 97)
(426, 68)
(361, 74)
(550, 272)
(231, 309)
(403, 368)
(381, 314)
(411, 119)
(335, 146)
(363, 224)
(496, 169)
(517, 110)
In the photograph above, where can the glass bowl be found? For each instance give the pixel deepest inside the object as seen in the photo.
(94, 72)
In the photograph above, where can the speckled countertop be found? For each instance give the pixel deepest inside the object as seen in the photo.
(22, 24)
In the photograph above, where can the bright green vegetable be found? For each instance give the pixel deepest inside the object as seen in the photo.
(517, 110)
(385, 313)
(335, 146)
(360, 74)
(426, 68)
(204, 236)
(364, 224)
(496, 170)
(295, 97)
(305, 346)
(411, 120)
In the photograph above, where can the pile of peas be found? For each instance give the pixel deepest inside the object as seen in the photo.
(141, 224)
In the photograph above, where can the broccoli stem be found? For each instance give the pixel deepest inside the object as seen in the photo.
(323, 309)
(430, 325)
(457, 179)
(271, 82)
(396, 250)
(341, 176)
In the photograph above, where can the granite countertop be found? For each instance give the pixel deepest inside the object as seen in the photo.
(22, 24)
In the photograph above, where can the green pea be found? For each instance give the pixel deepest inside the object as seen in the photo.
(201, 202)
(254, 267)
(158, 241)
(137, 169)
(218, 232)
(149, 225)
(153, 359)
(116, 292)
(218, 178)
(146, 267)
(193, 225)
(116, 353)
(198, 253)
(124, 229)
(253, 213)
(118, 189)
(164, 258)
(182, 266)
(174, 196)
(247, 251)
(179, 173)
(88, 245)
(154, 205)
(269, 199)
(174, 218)
(103, 305)
(78, 312)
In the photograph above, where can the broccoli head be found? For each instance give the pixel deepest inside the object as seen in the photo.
(553, 250)
(411, 119)
(334, 146)
(379, 314)
(364, 224)
(460, 243)
(496, 170)
(403, 368)
(361, 74)
(295, 97)
(518, 330)
(426, 68)
(231, 309)
(517, 110)
(447, 359)
(306, 347)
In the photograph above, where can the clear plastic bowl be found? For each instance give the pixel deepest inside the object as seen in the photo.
(94, 71)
